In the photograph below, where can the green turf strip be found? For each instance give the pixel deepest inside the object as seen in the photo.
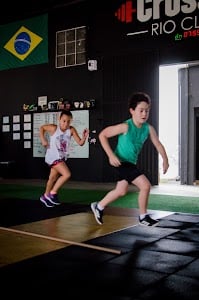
(156, 202)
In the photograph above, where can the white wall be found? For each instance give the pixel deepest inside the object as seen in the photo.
(168, 118)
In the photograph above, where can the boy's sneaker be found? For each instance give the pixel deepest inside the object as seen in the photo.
(53, 199)
(97, 213)
(46, 201)
(148, 221)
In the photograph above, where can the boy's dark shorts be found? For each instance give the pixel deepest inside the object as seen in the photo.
(128, 171)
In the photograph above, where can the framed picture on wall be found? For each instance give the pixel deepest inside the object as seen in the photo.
(16, 119)
(27, 118)
(6, 119)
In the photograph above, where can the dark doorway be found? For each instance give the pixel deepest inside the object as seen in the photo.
(189, 123)
(197, 143)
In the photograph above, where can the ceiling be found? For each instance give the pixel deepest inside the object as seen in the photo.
(11, 12)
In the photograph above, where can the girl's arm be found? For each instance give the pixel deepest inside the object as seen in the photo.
(79, 141)
(50, 128)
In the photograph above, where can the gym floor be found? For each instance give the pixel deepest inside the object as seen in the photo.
(63, 251)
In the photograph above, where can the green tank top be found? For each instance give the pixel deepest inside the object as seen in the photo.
(130, 143)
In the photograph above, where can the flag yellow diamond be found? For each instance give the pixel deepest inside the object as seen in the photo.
(23, 43)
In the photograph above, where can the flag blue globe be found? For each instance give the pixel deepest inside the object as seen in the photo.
(22, 43)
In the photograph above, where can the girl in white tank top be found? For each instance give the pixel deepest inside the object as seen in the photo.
(59, 146)
(57, 152)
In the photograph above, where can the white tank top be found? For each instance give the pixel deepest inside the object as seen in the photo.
(58, 146)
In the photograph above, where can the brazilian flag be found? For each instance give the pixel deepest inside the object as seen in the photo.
(24, 43)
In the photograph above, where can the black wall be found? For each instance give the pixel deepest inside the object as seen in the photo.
(125, 64)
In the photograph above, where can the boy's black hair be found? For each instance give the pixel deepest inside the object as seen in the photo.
(66, 112)
(138, 97)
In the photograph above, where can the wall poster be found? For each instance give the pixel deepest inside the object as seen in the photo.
(80, 122)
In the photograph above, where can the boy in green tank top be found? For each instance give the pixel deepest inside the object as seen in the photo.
(132, 135)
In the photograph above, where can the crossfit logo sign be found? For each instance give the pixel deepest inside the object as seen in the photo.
(152, 11)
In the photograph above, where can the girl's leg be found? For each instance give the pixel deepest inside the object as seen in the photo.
(144, 187)
(53, 176)
(63, 175)
(119, 191)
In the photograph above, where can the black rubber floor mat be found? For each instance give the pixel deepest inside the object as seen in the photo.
(153, 267)
(20, 211)
(183, 217)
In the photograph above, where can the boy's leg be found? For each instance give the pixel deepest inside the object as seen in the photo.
(144, 189)
(98, 207)
(119, 191)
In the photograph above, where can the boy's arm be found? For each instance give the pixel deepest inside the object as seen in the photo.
(104, 136)
(159, 147)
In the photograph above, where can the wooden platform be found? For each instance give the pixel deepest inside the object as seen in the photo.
(25, 241)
